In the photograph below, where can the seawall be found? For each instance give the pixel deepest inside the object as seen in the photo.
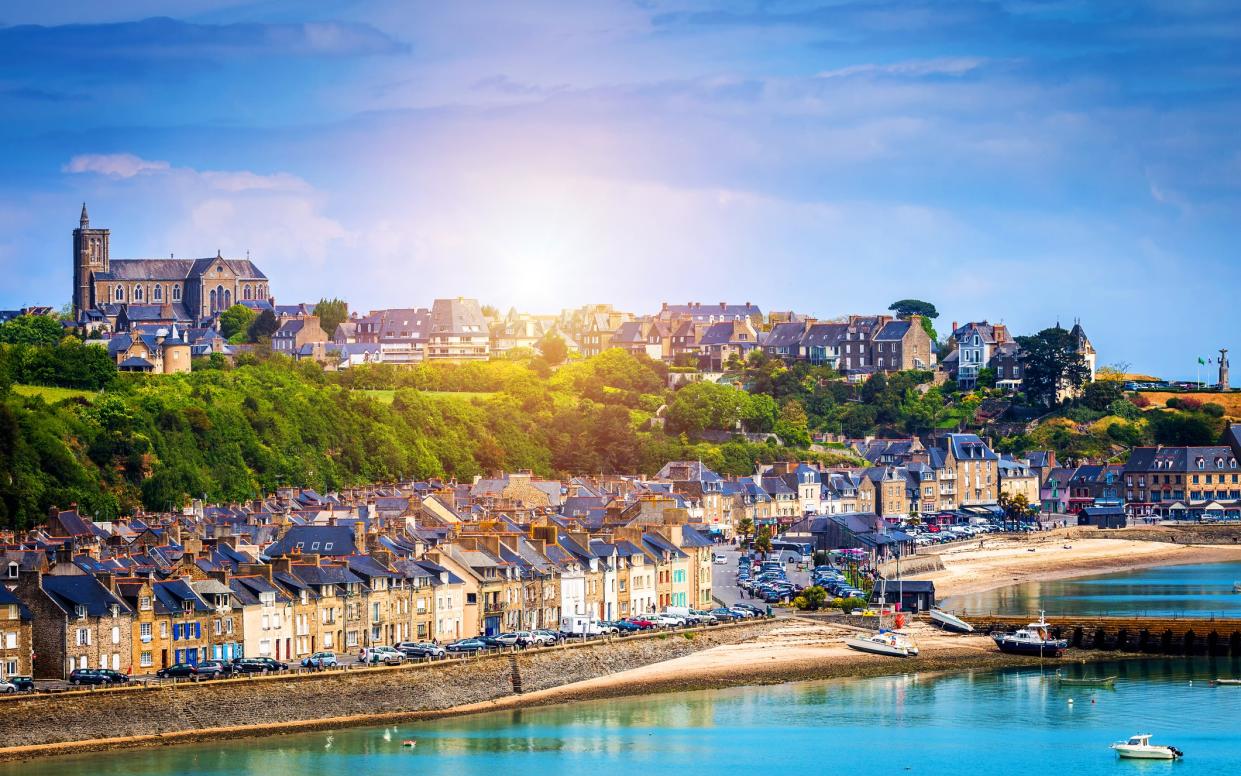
(1206, 533)
(78, 721)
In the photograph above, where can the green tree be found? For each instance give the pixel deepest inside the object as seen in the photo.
(31, 330)
(986, 377)
(234, 320)
(815, 597)
(553, 348)
(1052, 364)
(909, 307)
(762, 542)
(1100, 394)
(263, 326)
(745, 527)
(332, 313)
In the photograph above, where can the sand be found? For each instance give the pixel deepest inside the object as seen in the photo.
(995, 562)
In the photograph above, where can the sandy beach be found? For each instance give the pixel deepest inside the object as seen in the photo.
(995, 562)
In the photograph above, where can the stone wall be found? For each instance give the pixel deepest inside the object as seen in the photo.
(270, 704)
(1181, 534)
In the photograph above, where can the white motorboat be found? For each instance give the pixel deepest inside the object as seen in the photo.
(949, 621)
(1139, 747)
(885, 643)
(1034, 639)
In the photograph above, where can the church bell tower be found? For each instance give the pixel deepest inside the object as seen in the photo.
(90, 254)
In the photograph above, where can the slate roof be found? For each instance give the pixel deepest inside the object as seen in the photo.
(175, 269)
(72, 590)
(327, 540)
(892, 331)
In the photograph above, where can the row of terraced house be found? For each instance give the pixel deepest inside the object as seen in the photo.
(299, 573)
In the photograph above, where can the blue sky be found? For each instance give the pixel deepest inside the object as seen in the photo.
(1026, 161)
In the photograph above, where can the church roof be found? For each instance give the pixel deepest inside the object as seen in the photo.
(175, 269)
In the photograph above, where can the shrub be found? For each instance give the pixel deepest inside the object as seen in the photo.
(1213, 409)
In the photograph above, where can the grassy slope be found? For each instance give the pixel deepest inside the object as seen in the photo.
(386, 396)
(52, 395)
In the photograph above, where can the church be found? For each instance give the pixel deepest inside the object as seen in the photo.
(185, 291)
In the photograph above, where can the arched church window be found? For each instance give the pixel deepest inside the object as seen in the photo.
(120, 293)
(228, 299)
(246, 292)
(176, 293)
(137, 293)
(213, 302)
(158, 293)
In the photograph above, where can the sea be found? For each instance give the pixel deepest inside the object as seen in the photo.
(982, 722)
(1198, 590)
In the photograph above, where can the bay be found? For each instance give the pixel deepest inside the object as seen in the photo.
(931, 724)
(1198, 590)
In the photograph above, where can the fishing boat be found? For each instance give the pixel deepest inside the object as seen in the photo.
(1229, 682)
(1101, 681)
(409, 743)
(885, 642)
(1139, 747)
(1034, 639)
(949, 621)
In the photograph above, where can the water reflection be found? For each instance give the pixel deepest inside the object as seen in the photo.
(1196, 590)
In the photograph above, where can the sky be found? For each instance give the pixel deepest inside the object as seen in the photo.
(1016, 161)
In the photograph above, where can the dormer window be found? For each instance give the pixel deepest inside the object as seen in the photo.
(187, 606)
(1202, 464)
(80, 611)
(13, 570)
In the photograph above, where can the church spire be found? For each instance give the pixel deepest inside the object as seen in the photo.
(85, 217)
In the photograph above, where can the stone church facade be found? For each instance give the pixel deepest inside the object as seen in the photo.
(195, 290)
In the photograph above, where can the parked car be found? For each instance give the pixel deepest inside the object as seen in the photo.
(22, 683)
(508, 639)
(466, 646)
(420, 649)
(547, 636)
(623, 626)
(320, 660)
(178, 671)
(214, 669)
(642, 623)
(7, 687)
(389, 656)
(258, 665)
(97, 676)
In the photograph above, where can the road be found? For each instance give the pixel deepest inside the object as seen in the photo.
(724, 581)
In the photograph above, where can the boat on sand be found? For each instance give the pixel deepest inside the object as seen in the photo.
(949, 621)
(884, 643)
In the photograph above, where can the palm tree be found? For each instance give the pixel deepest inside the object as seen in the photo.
(762, 542)
(745, 527)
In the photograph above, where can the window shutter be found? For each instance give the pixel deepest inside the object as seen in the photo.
(198, 630)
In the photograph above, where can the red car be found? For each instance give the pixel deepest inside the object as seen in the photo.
(642, 623)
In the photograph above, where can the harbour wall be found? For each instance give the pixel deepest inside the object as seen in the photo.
(82, 720)
(1207, 533)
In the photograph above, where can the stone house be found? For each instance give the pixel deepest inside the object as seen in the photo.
(16, 634)
(78, 622)
(296, 333)
(459, 332)
(1017, 478)
(901, 345)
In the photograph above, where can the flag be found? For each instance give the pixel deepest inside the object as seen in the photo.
(1200, 361)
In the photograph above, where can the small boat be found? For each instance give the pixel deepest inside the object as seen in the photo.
(1139, 747)
(1227, 681)
(1236, 587)
(1034, 639)
(409, 743)
(885, 643)
(949, 621)
(1101, 681)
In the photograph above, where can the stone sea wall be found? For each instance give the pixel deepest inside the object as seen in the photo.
(31, 725)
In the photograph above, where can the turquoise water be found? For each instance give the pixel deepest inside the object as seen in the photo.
(983, 723)
(1197, 590)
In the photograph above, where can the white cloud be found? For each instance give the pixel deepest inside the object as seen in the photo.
(913, 67)
(114, 165)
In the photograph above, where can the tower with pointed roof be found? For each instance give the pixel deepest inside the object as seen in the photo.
(90, 254)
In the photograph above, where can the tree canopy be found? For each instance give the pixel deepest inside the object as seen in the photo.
(331, 313)
(235, 320)
(1052, 364)
(31, 330)
(262, 326)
